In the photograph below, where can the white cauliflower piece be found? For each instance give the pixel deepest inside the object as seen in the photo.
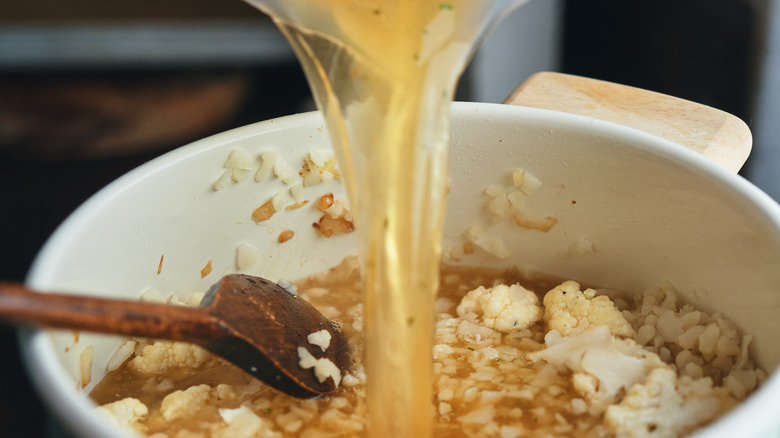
(569, 310)
(125, 414)
(503, 308)
(667, 406)
(602, 365)
(180, 403)
(162, 356)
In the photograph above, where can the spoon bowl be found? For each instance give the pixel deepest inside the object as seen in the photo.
(253, 323)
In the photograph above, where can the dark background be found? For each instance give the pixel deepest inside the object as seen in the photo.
(58, 147)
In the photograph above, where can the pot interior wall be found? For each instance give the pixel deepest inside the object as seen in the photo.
(632, 213)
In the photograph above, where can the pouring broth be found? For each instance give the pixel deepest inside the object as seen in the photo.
(384, 73)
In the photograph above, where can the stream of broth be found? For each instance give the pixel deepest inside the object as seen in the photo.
(384, 72)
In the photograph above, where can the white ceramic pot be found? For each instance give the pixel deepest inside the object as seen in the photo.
(654, 213)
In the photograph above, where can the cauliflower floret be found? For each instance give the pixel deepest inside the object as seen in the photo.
(162, 356)
(602, 365)
(182, 403)
(503, 308)
(569, 310)
(667, 406)
(125, 414)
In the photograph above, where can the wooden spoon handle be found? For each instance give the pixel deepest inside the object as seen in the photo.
(720, 136)
(22, 306)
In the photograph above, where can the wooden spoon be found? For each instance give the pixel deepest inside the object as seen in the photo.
(249, 321)
(716, 134)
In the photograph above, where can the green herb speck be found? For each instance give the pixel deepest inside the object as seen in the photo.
(445, 6)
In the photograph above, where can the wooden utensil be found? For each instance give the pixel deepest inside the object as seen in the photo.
(252, 322)
(718, 135)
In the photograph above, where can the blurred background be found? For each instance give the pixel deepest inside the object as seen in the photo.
(91, 89)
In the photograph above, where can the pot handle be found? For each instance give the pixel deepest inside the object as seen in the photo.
(718, 135)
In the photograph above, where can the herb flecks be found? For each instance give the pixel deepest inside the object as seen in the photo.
(445, 6)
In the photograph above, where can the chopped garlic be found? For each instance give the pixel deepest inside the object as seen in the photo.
(494, 190)
(246, 256)
(279, 200)
(196, 298)
(239, 175)
(266, 169)
(120, 355)
(223, 180)
(85, 365)
(326, 176)
(288, 286)
(297, 193)
(153, 296)
(530, 184)
(285, 235)
(517, 177)
(499, 205)
(583, 246)
(517, 199)
(264, 212)
(239, 159)
(287, 174)
(320, 156)
(525, 181)
(490, 243)
(543, 224)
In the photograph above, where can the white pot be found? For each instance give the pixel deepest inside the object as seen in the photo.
(654, 212)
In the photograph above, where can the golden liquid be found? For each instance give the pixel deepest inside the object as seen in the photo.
(384, 73)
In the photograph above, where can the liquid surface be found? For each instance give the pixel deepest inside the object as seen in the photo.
(384, 73)
(495, 374)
